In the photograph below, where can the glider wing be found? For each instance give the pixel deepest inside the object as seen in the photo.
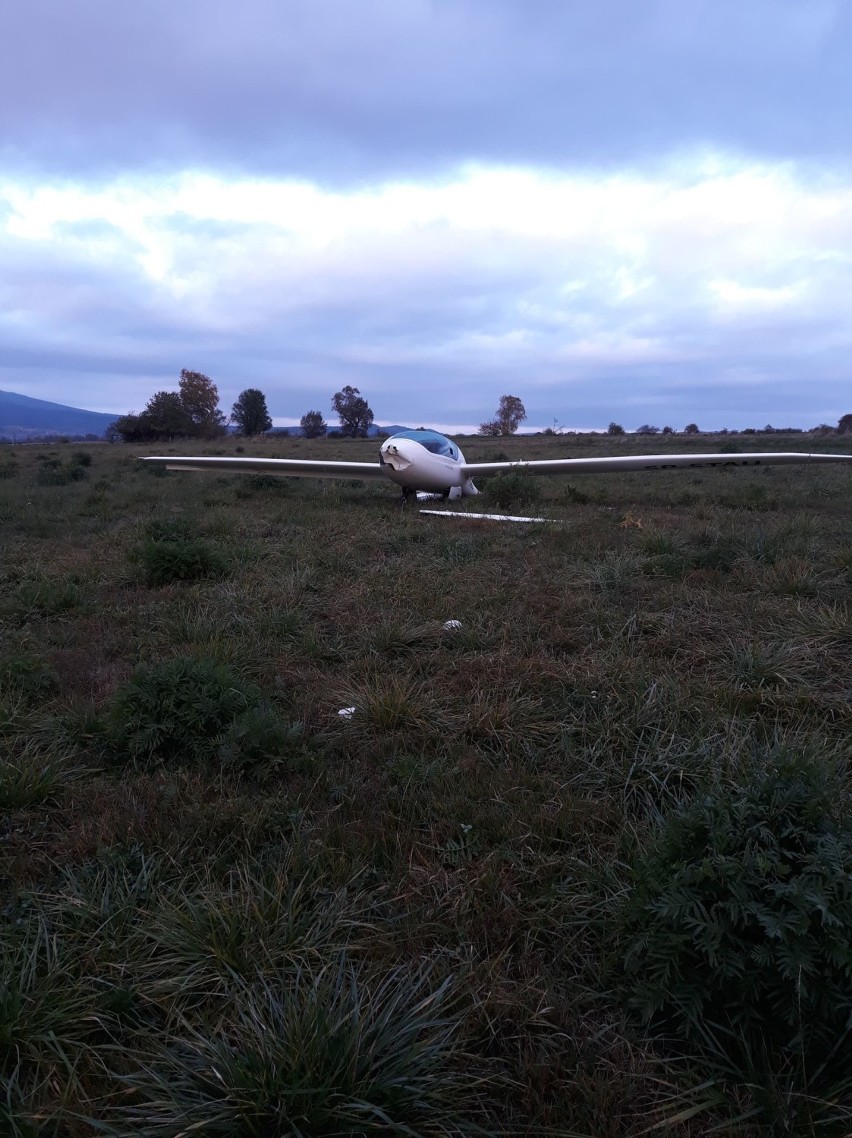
(281, 467)
(649, 462)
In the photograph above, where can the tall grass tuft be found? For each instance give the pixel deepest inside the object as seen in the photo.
(614, 573)
(29, 777)
(327, 1050)
(47, 1017)
(386, 703)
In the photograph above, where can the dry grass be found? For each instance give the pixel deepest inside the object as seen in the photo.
(462, 838)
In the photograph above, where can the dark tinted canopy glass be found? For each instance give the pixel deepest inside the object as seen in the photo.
(437, 444)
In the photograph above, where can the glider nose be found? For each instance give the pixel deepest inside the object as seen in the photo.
(396, 454)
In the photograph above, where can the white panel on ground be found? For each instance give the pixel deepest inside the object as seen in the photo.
(481, 517)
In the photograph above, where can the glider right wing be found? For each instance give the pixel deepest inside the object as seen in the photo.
(281, 467)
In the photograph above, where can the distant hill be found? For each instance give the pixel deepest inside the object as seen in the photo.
(24, 418)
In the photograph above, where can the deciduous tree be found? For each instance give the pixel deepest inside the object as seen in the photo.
(510, 414)
(691, 429)
(249, 413)
(844, 425)
(200, 398)
(615, 429)
(353, 411)
(166, 417)
(128, 428)
(313, 425)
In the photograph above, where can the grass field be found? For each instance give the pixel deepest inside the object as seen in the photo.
(230, 910)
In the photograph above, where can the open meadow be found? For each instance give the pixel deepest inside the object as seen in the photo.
(580, 866)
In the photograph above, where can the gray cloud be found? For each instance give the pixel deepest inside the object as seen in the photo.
(343, 91)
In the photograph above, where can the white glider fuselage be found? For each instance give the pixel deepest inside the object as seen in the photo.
(425, 460)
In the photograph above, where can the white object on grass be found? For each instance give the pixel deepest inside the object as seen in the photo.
(481, 517)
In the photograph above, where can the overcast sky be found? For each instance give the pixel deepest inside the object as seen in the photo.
(637, 210)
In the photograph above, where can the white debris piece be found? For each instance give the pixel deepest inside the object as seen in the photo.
(347, 712)
(481, 517)
(449, 625)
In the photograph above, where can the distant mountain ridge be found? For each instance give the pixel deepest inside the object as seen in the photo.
(22, 417)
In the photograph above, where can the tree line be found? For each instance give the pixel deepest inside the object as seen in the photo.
(844, 427)
(193, 412)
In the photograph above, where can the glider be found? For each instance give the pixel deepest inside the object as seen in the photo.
(427, 461)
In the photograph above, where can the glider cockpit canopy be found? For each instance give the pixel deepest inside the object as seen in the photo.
(432, 441)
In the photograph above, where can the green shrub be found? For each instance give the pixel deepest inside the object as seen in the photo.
(169, 529)
(259, 737)
(171, 551)
(185, 709)
(53, 473)
(570, 495)
(48, 596)
(741, 919)
(513, 490)
(81, 458)
(251, 484)
(188, 559)
(752, 496)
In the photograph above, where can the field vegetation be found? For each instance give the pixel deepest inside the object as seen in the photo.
(580, 866)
